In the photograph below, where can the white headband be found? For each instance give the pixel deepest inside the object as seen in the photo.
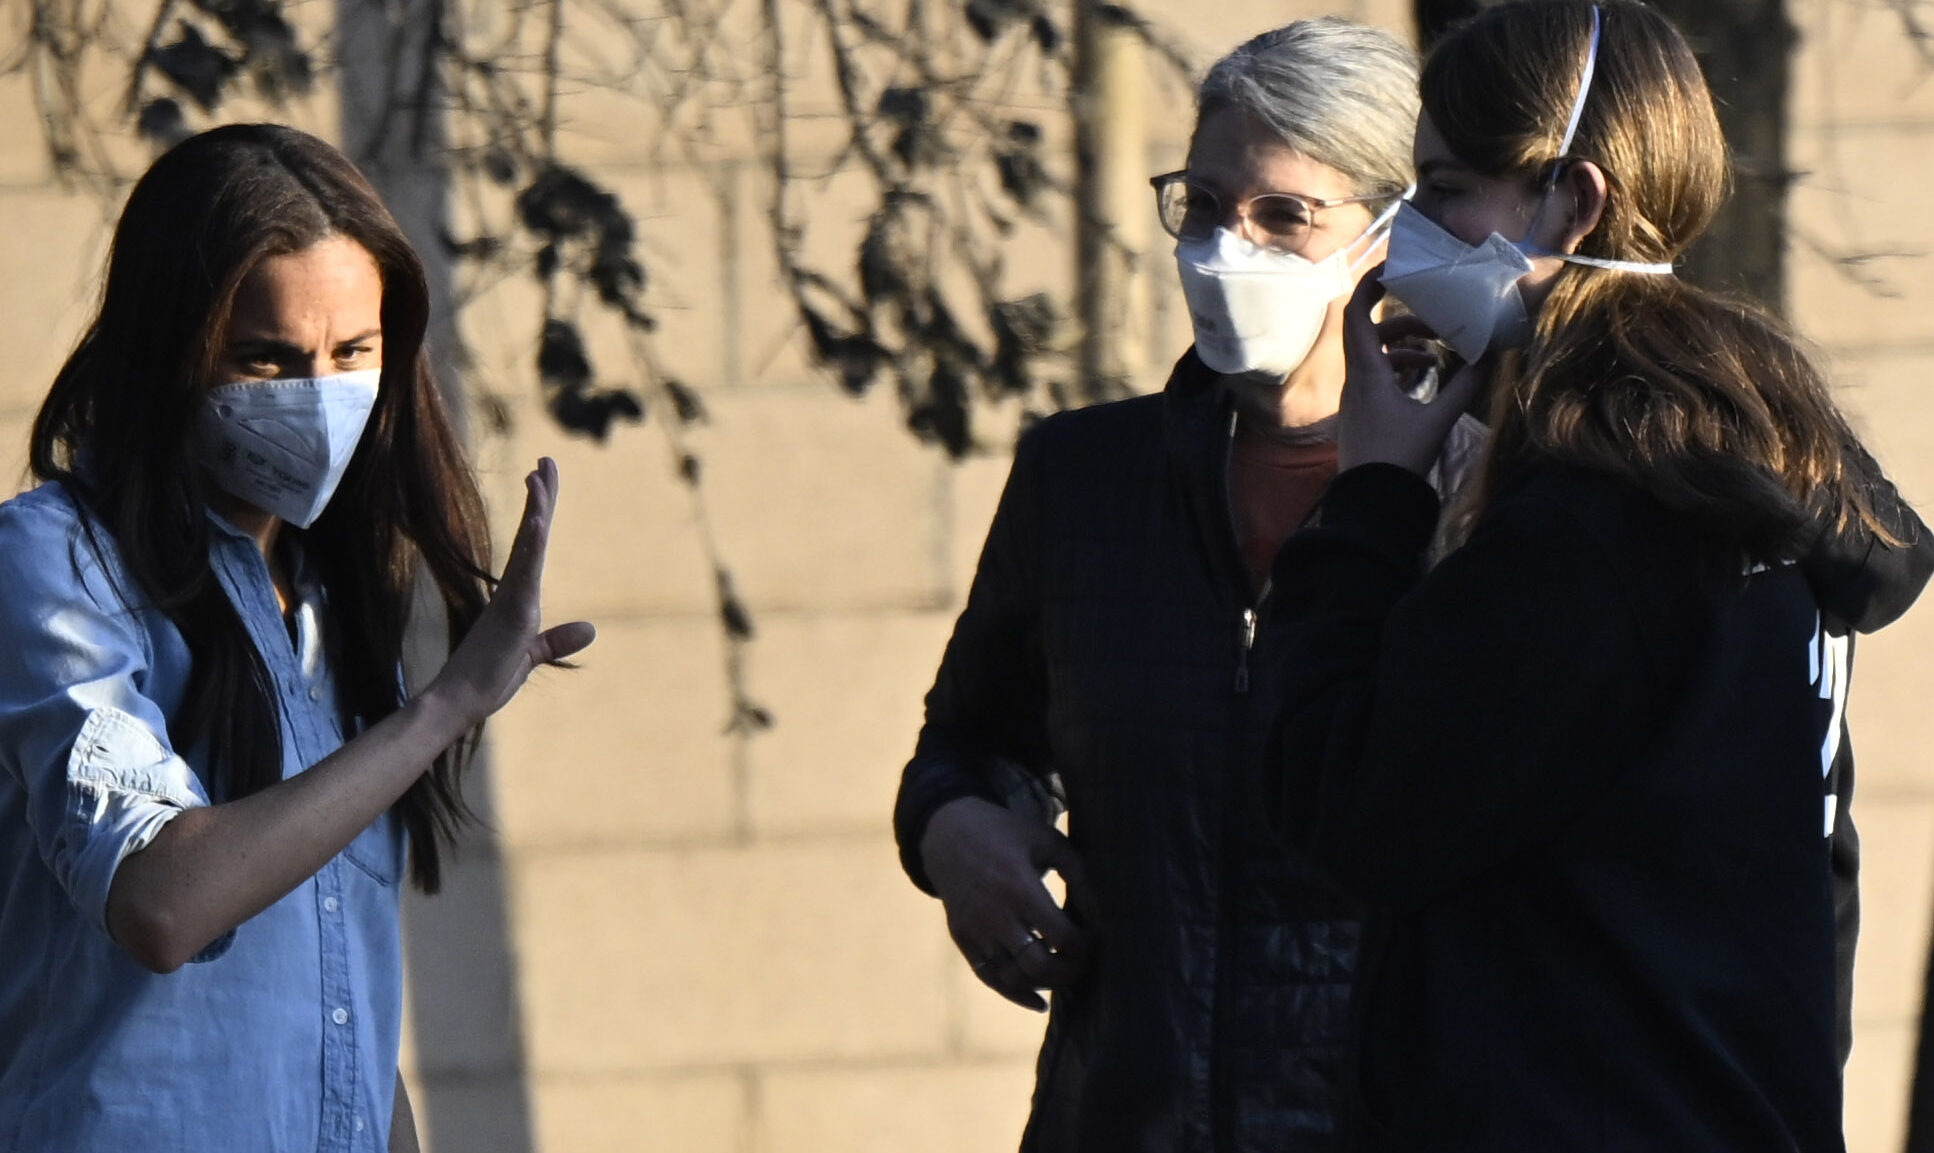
(1584, 87)
(1564, 147)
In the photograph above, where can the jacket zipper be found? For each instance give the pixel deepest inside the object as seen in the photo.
(1247, 641)
(1222, 1105)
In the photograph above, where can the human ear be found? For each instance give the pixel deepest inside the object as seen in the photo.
(1582, 187)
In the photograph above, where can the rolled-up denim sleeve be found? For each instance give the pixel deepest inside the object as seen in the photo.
(78, 734)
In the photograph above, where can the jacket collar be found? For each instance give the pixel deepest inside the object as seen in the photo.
(1198, 423)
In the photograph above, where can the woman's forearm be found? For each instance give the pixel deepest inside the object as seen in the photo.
(210, 869)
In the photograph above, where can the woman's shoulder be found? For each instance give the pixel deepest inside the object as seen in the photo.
(46, 514)
(1096, 427)
(48, 547)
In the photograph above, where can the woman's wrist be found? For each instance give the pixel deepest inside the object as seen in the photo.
(442, 719)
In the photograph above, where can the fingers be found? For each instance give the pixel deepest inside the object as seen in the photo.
(1369, 291)
(1366, 365)
(986, 865)
(1022, 941)
(1405, 327)
(525, 566)
(1465, 385)
(999, 968)
(1065, 861)
(561, 641)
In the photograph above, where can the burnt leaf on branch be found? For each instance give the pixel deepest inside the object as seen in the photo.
(199, 69)
(855, 356)
(937, 411)
(585, 229)
(685, 402)
(990, 18)
(1023, 329)
(162, 123)
(886, 258)
(561, 359)
(571, 396)
(916, 140)
(279, 67)
(1018, 160)
(732, 612)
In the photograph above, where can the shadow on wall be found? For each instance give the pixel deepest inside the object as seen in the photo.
(473, 1093)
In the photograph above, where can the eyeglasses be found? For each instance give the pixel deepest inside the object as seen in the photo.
(1278, 220)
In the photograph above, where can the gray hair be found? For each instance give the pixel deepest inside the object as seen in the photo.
(1339, 93)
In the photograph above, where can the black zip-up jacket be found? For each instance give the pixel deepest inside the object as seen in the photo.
(1107, 639)
(1581, 784)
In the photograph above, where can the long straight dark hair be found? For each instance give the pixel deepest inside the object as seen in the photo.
(115, 429)
(1705, 403)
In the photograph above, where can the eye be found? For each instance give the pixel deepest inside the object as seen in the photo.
(1279, 215)
(254, 364)
(1200, 212)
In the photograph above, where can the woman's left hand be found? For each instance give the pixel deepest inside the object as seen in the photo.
(508, 641)
(1378, 420)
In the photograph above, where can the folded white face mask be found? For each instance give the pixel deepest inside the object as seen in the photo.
(1258, 311)
(1468, 293)
(283, 445)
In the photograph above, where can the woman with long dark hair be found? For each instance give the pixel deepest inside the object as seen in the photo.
(211, 775)
(1578, 769)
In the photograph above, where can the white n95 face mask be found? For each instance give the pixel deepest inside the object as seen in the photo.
(1468, 293)
(1258, 311)
(283, 445)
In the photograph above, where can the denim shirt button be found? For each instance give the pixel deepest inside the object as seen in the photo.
(330, 905)
(315, 692)
(340, 1016)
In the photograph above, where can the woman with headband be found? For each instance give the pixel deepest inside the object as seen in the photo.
(1107, 653)
(1577, 769)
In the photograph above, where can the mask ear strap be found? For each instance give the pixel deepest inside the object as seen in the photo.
(1664, 269)
(1379, 228)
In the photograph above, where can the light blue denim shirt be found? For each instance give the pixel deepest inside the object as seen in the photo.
(281, 1035)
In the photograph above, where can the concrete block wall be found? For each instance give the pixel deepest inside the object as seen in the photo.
(677, 940)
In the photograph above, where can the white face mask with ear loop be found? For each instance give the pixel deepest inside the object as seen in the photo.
(1468, 293)
(283, 445)
(1257, 311)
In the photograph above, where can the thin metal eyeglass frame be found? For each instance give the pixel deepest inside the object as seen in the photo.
(1311, 204)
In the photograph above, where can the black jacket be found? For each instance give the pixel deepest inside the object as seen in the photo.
(1582, 784)
(1106, 640)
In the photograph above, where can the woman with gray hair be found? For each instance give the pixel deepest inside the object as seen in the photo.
(1106, 659)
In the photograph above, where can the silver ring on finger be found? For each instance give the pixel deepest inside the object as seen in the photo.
(1026, 943)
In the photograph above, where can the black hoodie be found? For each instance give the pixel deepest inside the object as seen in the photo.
(1583, 787)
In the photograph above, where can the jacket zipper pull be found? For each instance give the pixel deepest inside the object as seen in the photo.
(1248, 637)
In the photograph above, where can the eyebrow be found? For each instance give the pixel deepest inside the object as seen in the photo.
(1431, 168)
(283, 348)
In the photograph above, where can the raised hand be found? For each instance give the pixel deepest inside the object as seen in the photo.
(1378, 420)
(986, 865)
(507, 641)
